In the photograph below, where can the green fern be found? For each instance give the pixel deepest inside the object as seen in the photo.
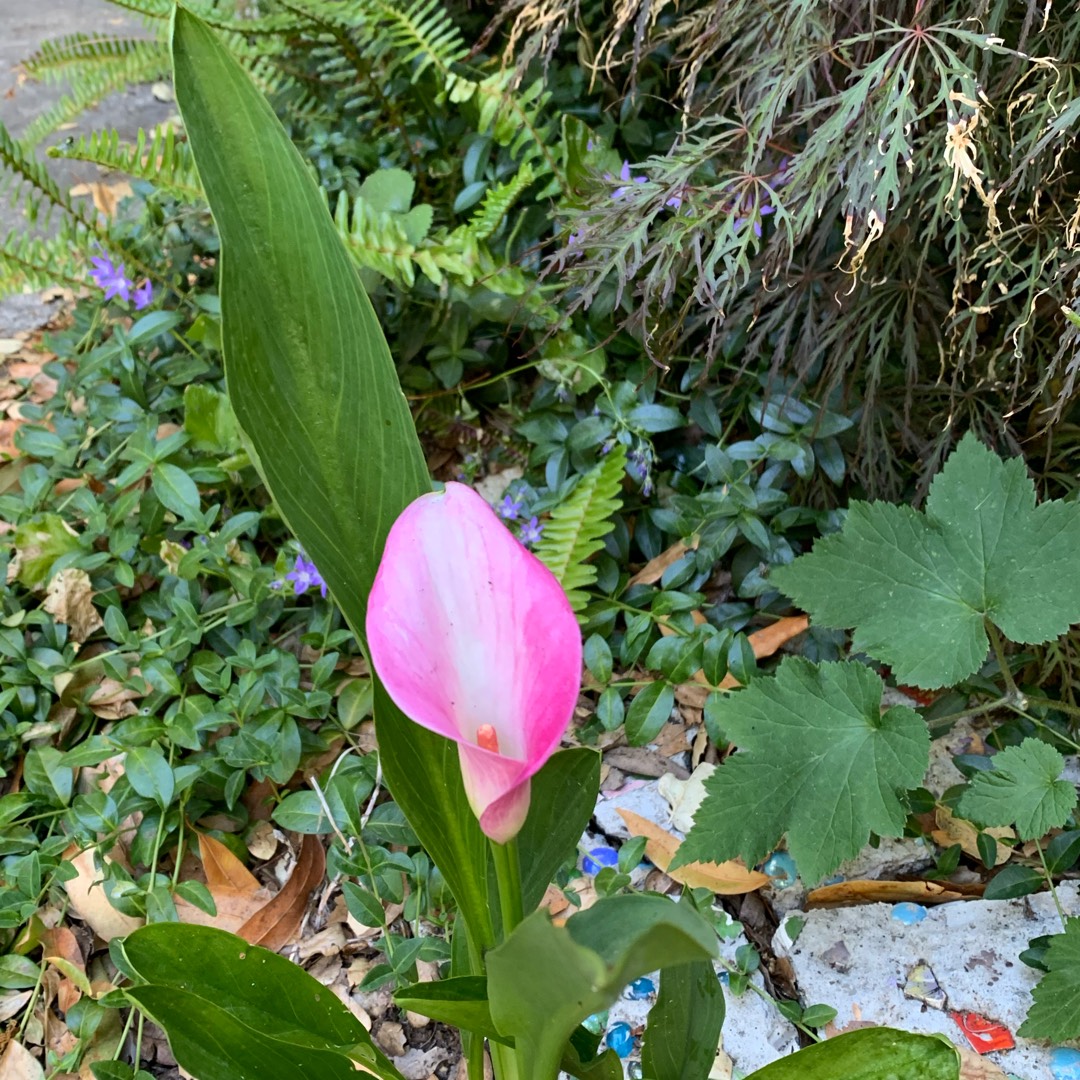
(35, 262)
(156, 158)
(578, 526)
(72, 56)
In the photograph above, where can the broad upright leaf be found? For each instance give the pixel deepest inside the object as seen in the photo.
(543, 980)
(917, 588)
(684, 1024)
(1056, 1012)
(314, 388)
(817, 760)
(875, 1053)
(233, 1009)
(1024, 788)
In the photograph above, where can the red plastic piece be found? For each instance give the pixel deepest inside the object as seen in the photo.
(983, 1034)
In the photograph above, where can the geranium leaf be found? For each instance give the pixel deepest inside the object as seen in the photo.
(817, 760)
(917, 588)
(1023, 789)
(1056, 1012)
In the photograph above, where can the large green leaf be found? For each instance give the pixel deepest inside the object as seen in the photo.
(869, 1054)
(461, 1002)
(232, 1009)
(1024, 788)
(918, 588)
(314, 388)
(684, 1024)
(563, 800)
(817, 760)
(543, 980)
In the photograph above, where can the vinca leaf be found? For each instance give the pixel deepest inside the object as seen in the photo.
(817, 760)
(1023, 789)
(918, 588)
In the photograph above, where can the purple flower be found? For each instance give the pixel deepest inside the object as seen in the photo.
(531, 532)
(106, 275)
(762, 210)
(509, 508)
(624, 175)
(143, 295)
(304, 576)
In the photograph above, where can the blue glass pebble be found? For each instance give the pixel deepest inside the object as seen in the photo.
(599, 857)
(620, 1038)
(596, 1023)
(780, 866)
(640, 989)
(909, 914)
(1065, 1063)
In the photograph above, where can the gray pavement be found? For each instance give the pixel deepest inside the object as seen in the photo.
(24, 25)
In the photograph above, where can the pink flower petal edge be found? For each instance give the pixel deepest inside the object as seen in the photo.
(474, 639)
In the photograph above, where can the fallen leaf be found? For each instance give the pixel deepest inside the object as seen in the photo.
(391, 1037)
(60, 947)
(889, 892)
(88, 899)
(262, 841)
(654, 569)
(107, 197)
(973, 1067)
(69, 599)
(274, 925)
(238, 894)
(643, 762)
(727, 878)
(954, 830)
(19, 1064)
(112, 700)
(13, 1003)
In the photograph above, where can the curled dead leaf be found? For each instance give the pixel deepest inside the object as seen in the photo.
(654, 569)
(727, 878)
(953, 830)
(69, 599)
(890, 892)
(88, 899)
(17, 1063)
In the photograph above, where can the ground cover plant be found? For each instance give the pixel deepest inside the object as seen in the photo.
(161, 616)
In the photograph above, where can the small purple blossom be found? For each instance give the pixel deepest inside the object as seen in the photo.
(627, 179)
(304, 576)
(110, 277)
(510, 508)
(531, 532)
(143, 295)
(762, 210)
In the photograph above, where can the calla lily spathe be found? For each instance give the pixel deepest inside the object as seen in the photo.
(474, 638)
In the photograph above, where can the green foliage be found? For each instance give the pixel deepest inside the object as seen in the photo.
(870, 1054)
(577, 527)
(1055, 1015)
(228, 1006)
(817, 760)
(919, 589)
(1023, 788)
(684, 1024)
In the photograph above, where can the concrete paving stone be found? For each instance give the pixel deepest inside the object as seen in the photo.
(858, 960)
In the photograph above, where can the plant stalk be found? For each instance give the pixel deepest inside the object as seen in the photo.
(508, 875)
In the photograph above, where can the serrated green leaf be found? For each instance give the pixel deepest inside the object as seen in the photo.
(1056, 1012)
(817, 760)
(1023, 789)
(917, 588)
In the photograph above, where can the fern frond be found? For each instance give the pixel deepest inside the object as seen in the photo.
(497, 203)
(31, 182)
(157, 158)
(576, 529)
(28, 261)
(421, 32)
(148, 63)
(70, 56)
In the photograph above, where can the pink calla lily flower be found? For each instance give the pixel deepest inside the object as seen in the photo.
(474, 638)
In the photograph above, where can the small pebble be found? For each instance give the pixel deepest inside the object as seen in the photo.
(909, 914)
(596, 1023)
(598, 858)
(634, 1071)
(780, 866)
(620, 1039)
(1065, 1063)
(641, 989)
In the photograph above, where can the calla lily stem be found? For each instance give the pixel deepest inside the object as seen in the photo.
(508, 876)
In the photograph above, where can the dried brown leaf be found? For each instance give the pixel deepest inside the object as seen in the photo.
(890, 892)
(654, 569)
(69, 599)
(88, 900)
